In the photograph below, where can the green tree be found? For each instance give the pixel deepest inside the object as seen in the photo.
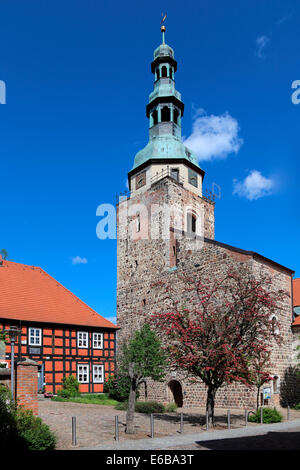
(142, 357)
(259, 371)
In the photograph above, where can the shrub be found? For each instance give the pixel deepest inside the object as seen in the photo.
(5, 394)
(20, 429)
(269, 416)
(149, 407)
(122, 406)
(297, 407)
(63, 393)
(70, 387)
(171, 407)
(117, 387)
(9, 437)
(36, 434)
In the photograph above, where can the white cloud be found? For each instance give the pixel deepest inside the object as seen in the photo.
(261, 44)
(79, 260)
(284, 19)
(254, 186)
(213, 136)
(112, 319)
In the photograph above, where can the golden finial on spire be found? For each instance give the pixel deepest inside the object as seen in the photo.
(163, 28)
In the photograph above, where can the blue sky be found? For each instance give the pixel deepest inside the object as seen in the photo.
(77, 77)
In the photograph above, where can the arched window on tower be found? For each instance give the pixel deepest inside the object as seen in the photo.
(164, 72)
(155, 117)
(165, 114)
(138, 223)
(157, 74)
(176, 115)
(191, 224)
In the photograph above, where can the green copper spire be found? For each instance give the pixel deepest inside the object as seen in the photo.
(163, 28)
(164, 110)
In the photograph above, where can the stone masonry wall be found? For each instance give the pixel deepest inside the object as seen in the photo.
(142, 263)
(296, 344)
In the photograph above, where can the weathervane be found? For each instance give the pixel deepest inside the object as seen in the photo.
(163, 28)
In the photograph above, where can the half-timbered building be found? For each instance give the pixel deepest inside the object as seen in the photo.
(55, 328)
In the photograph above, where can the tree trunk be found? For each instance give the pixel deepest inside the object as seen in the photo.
(257, 398)
(131, 408)
(210, 404)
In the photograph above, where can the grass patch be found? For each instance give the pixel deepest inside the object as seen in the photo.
(89, 399)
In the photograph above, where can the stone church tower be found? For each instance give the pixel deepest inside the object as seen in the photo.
(166, 229)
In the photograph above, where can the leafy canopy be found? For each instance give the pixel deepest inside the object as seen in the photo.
(220, 326)
(143, 357)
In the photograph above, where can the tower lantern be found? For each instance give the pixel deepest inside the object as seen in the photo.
(165, 154)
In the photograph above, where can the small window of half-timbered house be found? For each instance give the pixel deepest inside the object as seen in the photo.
(82, 339)
(35, 336)
(82, 373)
(98, 374)
(97, 340)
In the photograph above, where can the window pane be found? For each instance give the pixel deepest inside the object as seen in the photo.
(83, 373)
(193, 178)
(97, 340)
(82, 340)
(35, 336)
(98, 373)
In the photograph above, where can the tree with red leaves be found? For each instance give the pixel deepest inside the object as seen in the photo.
(216, 329)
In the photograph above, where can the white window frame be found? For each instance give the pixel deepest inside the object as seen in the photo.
(95, 380)
(85, 341)
(95, 340)
(34, 343)
(86, 366)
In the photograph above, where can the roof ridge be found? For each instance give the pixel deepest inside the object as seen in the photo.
(6, 262)
(55, 283)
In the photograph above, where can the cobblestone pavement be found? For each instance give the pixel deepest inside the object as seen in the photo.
(95, 423)
(276, 436)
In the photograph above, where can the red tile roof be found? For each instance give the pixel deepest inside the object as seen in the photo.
(296, 321)
(296, 292)
(296, 299)
(29, 293)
